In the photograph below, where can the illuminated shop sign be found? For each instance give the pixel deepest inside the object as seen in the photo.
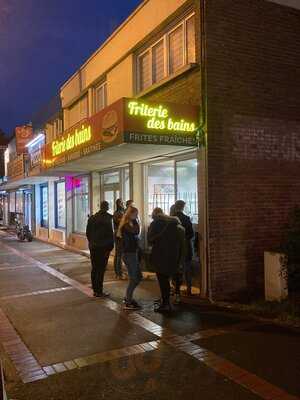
(72, 183)
(127, 120)
(159, 118)
(72, 140)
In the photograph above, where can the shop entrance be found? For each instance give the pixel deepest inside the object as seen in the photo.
(115, 185)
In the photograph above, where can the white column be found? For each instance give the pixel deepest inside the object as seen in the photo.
(95, 192)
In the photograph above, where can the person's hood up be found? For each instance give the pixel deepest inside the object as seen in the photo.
(167, 219)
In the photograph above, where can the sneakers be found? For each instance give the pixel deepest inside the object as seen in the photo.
(101, 294)
(133, 305)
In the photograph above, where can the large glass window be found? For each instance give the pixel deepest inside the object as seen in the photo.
(19, 202)
(169, 181)
(12, 202)
(172, 51)
(44, 205)
(60, 205)
(161, 186)
(186, 173)
(81, 205)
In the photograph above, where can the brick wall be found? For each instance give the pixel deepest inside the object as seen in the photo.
(253, 118)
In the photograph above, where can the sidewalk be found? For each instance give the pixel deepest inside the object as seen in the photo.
(61, 343)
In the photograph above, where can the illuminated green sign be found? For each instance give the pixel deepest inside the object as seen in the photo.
(158, 118)
(72, 140)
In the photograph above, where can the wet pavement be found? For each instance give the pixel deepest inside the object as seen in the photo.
(58, 342)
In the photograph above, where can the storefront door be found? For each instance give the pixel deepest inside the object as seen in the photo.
(111, 194)
(115, 185)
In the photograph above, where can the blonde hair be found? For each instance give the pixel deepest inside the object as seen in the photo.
(126, 219)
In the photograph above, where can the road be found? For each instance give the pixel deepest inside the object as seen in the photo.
(58, 342)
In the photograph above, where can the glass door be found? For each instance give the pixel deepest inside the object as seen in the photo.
(111, 194)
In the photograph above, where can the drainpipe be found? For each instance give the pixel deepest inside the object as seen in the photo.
(203, 132)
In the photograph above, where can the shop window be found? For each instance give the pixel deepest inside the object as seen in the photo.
(169, 181)
(186, 188)
(172, 51)
(100, 97)
(12, 202)
(60, 205)
(161, 186)
(44, 205)
(81, 205)
(19, 202)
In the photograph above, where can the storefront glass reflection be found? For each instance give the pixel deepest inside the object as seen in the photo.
(81, 205)
(169, 181)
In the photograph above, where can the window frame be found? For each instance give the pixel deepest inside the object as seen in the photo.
(74, 203)
(43, 223)
(103, 85)
(57, 226)
(165, 38)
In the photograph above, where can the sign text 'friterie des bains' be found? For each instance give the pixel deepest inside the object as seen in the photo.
(158, 118)
(72, 140)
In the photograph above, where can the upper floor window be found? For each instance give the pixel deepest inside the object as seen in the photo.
(78, 111)
(100, 97)
(166, 56)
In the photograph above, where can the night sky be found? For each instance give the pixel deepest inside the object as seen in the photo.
(42, 43)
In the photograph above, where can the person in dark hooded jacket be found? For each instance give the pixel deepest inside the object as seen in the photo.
(99, 232)
(166, 235)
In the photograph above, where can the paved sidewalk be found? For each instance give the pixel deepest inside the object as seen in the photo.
(61, 343)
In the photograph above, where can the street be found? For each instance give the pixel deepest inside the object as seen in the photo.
(58, 342)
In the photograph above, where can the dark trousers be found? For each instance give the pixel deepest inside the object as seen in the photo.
(118, 257)
(99, 259)
(164, 284)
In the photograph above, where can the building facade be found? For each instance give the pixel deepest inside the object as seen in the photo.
(186, 100)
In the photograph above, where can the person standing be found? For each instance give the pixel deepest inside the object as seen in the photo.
(117, 216)
(166, 235)
(99, 232)
(129, 230)
(189, 234)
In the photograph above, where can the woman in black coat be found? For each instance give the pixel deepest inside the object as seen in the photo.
(167, 237)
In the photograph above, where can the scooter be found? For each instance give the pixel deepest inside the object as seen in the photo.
(23, 232)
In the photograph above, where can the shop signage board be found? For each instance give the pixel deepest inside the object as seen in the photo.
(23, 135)
(16, 168)
(125, 121)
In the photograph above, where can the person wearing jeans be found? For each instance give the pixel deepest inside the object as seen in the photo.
(118, 214)
(128, 232)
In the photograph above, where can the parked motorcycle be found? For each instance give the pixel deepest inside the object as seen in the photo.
(23, 232)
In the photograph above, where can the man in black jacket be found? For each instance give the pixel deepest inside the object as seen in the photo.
(189, 234)
(99, 232)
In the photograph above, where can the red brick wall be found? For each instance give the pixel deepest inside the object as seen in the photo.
(253, 103)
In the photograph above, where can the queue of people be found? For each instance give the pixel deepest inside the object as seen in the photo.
(170, 238)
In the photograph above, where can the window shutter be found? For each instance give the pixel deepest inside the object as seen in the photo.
(144, 71)
(191, 40)
(158, 62)
(176, 49)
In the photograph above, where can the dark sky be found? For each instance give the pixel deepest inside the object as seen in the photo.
(42, 42)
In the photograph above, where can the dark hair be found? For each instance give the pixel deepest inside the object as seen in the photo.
(104, 206)
(119, 204)
(179, 205)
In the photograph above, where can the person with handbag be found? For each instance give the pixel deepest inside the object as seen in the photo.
(128, 232)
(117, 216)
(167, 237)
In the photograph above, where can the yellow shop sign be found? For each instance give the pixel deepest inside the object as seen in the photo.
(159, 118)
(72, 140)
